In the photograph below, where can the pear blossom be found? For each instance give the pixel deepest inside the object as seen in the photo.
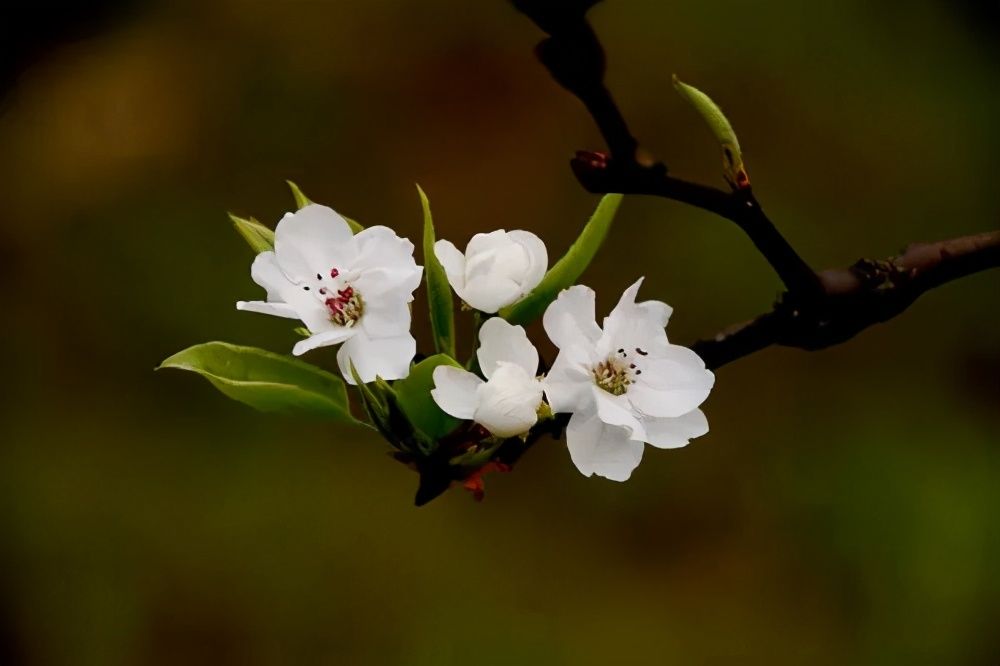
(624, 383)
(497, 269)
(345, 288)
(507, 403)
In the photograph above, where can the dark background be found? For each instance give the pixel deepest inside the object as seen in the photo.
(843, 509)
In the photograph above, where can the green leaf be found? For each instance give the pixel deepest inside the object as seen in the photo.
(373, 404)
(414, 396)
(355, 226)
(257, 236)
(732, 156)
(568, 269)
(375, 408)
(266, 381)
(411, 438)
(438, 291)
(301, 200)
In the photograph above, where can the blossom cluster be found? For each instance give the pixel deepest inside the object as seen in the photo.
(622, 383)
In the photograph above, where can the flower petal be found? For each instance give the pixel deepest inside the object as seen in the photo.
(598, 448)
(538, 258)
(308, 308)
(501, 341)
(568, 382)
(673, 433)
(324, 339)
(385, 264)
(388, 358)
(616, 410)
(265, 272)
(671, 384)
(508, 402)
(453, 262)
(312, 241)
(486, 244)
(570, 319)
(455, 391)
(489, 293)
(276, 309)
(632, 325)
(386, 318)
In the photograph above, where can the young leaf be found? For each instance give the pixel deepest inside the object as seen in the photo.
(566, 271)
(414, 396)
(376, 409)
(266, 381)
(438, 291)
(402, 427)
(732, 157)
(374, 405)
(301, 201)
(258, 237)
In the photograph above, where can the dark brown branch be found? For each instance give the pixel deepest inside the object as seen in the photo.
(575, 58)
(855, 298)
(600, 174)
(818, 310)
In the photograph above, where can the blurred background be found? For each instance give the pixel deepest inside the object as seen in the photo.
(843, 510)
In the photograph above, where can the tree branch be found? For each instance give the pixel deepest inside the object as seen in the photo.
(855, 298)
(818, 310)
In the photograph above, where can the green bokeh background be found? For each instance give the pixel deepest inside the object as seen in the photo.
(843, 509)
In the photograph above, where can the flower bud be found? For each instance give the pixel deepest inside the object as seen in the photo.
(497, 269)
(508, 402)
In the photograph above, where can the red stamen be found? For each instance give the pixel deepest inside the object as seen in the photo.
(334, 272)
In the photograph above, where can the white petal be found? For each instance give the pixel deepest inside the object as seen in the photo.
(617, 411)
(632, 325)
(601, 449)
(453, 262)
(277, 309)
(508, 402)
(265, 272)
(496, 255)
(570, 318)
(489, 293)
(312, 241)
(501, 341)
(324, 339)
(538, 258)
(455, 391)
(386, 318)
(308, 308)
(672, 384)
(486, 244)
(672, 433)
(388, 358)
(570, 379)
(385, 264)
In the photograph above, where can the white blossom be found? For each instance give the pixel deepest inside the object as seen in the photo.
(624, 383)
(497, 269)
(507, 403)
(345, 288)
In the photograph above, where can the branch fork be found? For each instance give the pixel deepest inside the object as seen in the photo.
(817, 310)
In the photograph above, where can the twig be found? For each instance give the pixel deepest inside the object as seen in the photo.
(855, 298)
(818, 310)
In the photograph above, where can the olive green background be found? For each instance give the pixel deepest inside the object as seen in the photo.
(843, 509)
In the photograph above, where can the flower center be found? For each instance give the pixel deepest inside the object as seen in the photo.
(616, 373)
(346, 307)
(613, 375)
